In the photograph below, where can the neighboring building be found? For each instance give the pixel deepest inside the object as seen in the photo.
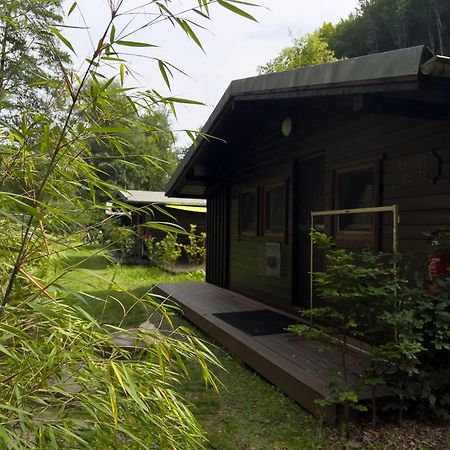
(363, 132)
(156, 207)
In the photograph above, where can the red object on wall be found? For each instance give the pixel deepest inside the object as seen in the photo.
(437, 266)
(439, 253)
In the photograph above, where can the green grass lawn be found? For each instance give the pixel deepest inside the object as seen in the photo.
(246, 413)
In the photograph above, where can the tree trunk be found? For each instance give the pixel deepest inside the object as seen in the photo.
(427, 15)
(438, 27)
(3, 55)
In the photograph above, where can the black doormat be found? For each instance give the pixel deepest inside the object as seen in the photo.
(257, 323)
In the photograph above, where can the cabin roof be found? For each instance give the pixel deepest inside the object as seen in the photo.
(137, 197)
(393, 71)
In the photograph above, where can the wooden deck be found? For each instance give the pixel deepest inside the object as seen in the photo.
(294, 364)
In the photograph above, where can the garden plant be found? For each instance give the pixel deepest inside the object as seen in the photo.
(403, 324)
(64, 383)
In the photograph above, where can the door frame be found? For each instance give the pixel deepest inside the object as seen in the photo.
(298, 291)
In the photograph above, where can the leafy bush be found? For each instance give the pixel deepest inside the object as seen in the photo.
(419, 353)
(353, 287)
(64, 382)
(195, 249)
(123, 239)
(165, 252)
(371, 296)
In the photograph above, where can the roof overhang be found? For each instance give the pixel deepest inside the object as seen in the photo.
(390, 72)
(145, 198)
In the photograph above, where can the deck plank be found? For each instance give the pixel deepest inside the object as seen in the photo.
(296, 365)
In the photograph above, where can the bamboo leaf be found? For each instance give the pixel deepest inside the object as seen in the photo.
(183, 100)
(163, 71)
(134, 44)
(74, 5)
(10, 21)
(202, 14)
(98, 129)
(118, 375)
(122, 74)
(46, 311)
(113, 401)
(13, 331)
(236, 10)
(112, 34)
(189, 31)
(167, 227)
(113, 59)
(63, 39)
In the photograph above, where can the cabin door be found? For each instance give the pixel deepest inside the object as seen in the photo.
(308, 196)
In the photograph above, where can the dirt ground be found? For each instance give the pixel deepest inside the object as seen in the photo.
(409, 435)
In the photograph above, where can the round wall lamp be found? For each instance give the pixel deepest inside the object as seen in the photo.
(286, 126)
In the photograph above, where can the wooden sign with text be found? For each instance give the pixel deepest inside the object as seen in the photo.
(422, 168)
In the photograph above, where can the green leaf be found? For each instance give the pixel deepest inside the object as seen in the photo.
(112, 34)
(166, 226)
(202, 14)
(74, 5)
(163, 71)
(46, 311)
(182, 100)
(348, 397)
(122, 74)
(134, 44)
(13, 331)
(113, 59)
(236, 10)
(21, 205)
(58, 34)
(10, 21)
(163, 9)
(97, 129)
(189, 31)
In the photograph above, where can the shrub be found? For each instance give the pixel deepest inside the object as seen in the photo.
(64, 383)
(164, 253)
(195, 249)
(352, 288)
(123, 239)
(372, 296)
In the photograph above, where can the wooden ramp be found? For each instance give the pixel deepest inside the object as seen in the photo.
(294, 364)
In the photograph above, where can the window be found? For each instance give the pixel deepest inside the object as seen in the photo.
(248, 223)
(356, 188)
(275, 210)
(262, 211)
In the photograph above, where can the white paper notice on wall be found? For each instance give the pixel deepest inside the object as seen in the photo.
(273, 259)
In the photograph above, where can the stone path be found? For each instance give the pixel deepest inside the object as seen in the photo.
(137, 338)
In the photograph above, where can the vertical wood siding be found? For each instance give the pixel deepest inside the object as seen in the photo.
(345, 138)
(217, 242)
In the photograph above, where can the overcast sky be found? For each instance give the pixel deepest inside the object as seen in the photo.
(234, 47)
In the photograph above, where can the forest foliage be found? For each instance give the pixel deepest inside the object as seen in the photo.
(382, 25)
(375, 26)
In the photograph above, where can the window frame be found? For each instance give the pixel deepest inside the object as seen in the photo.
(357, 238)
(249, 232)
(274, 235)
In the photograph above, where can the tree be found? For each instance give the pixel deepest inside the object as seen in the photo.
(146, 158)
(64, 382)
(307, 50)
(30, 55)
(382, 25)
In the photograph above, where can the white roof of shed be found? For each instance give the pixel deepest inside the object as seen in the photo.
(148, 197)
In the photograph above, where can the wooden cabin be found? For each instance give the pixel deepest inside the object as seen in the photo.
(364, 132)
(155, 206)
(368, 131)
